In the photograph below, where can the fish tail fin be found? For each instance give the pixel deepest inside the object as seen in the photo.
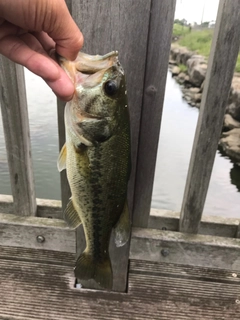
(87, 268)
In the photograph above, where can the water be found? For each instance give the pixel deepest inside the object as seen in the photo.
(44, 140)
(174, 151)
(177, 133)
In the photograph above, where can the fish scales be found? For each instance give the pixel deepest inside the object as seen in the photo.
(97, 159)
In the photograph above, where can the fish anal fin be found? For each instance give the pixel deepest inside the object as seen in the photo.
(61, 163)
(122, 228)
(71, 216)
(100, 271)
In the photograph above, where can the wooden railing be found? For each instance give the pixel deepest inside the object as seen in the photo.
(141, 32)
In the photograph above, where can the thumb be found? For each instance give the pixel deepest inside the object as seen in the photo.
(64, 31)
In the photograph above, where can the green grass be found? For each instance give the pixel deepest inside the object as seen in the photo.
(179, 30)
(200, 41)
(182, 67)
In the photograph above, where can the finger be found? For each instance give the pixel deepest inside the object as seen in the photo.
(16, 49)
(7, 28)
(32, 42)
(50, 16)
(62, 87)
(47, 43)
(64, 31)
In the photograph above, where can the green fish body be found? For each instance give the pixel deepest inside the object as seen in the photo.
(97, 159)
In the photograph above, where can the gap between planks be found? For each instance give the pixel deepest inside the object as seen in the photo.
(39, 291)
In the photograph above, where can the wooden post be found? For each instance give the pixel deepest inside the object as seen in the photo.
(238, 231)
(222, 60)
(16, 130)
(118, 25)
(65, 189)
(159, 41)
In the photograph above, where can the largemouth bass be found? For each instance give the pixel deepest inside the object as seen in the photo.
(96, 156)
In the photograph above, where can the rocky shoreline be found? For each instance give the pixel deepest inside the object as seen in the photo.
(189, 70)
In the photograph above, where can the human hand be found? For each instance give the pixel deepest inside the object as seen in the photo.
(31, 31)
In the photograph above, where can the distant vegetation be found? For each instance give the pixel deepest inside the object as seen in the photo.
(180, 30)
(197, 40)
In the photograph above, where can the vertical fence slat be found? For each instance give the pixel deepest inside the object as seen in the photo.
(238, 231)
(222, 60)
(17, 136)
(118, 25)
(65, 189)
(159, 41)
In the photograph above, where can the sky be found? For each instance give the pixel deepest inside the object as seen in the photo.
(194, 10)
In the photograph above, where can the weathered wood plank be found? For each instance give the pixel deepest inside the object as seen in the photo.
(65, 189)
(238, 231)
(184, 271)
(33, 232)
(159, 41)
(221, 65)
(37, 255)
(115, 25)
(190, 249)
(146, 244)
(6, 204)
(17, 136)
(135, 266)
(46, 291)
(210, 225)
(46, 208)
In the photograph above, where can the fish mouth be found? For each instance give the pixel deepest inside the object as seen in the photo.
(89, 69)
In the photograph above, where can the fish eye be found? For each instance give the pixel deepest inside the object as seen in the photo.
(110, 88)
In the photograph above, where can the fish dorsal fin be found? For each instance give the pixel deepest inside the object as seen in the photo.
(122, 228)
(71, 216)
(61, 163)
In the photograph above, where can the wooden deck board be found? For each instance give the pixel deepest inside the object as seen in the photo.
(37, 285)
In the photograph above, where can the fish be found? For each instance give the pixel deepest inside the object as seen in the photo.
(96, 156)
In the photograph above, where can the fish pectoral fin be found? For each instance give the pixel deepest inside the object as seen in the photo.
(61, 163)
(89, 268)
(71, 216)
(122, 228)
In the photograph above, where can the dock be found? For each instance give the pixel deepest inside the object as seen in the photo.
(40, 285)
(176, 265)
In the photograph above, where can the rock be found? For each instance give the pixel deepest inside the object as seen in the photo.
(195, 60)
(197, 68)
(234, 110)
(198, 105)
(174, 52)
(181, 76)
(197, 97)
(235, 92)
(180, 54)
(175, 71)
(183, 55)
(197, 74)
(172, 62)
(230, 143)
(191, 96)
(230, 123)
(194, 90)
